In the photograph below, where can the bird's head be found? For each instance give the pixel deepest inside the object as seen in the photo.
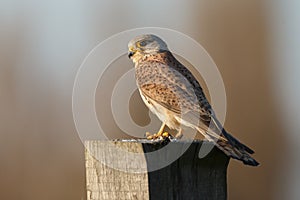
(145, 45)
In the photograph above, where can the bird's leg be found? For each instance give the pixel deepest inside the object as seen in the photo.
(179, 134)
(160, 134)
(161, 130)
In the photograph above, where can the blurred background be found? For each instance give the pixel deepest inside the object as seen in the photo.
(255, 45)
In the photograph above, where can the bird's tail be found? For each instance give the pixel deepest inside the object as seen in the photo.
(232, 147)
(235, 149)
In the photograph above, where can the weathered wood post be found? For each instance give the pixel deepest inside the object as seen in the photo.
(188, 177)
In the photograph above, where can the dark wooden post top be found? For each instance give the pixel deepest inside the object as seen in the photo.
(189, 177)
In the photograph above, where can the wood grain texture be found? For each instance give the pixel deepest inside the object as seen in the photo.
(186, 178)
(106, 183)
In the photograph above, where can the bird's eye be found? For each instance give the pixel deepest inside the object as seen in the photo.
(142, 43)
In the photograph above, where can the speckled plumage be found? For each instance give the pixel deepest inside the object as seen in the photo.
(171, 92)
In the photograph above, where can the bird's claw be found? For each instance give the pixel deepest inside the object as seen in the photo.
(157, 136)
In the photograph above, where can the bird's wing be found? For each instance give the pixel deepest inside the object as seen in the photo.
(169, 88)
(179, 92)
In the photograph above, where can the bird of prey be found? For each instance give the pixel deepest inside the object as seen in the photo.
(175, 96)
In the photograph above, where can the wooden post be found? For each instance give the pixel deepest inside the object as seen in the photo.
(186, 178)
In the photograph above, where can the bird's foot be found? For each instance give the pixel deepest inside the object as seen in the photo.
(157, 136)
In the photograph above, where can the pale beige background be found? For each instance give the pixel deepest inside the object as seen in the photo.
(254, 43)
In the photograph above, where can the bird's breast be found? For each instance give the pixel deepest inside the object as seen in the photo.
(161, 112)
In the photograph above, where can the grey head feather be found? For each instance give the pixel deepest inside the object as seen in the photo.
(148, 44)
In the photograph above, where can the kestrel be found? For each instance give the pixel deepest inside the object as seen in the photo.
(175, 96)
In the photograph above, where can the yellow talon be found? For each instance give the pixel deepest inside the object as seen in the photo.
(165, 134)
(150, 137)
(159, 136)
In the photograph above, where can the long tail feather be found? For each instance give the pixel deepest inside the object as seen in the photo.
(231, 147)
(236, 151)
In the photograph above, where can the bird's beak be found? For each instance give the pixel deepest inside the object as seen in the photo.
(130, 53)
